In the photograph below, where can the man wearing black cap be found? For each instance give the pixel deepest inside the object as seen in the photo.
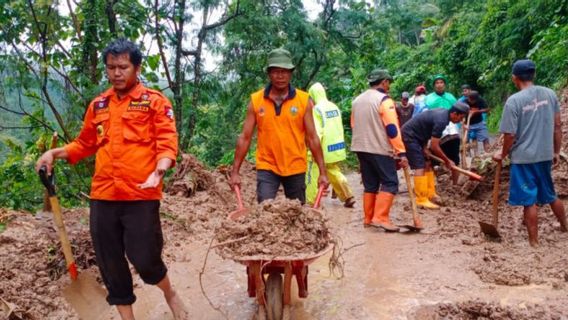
(377, 141)
(428, 125)
(532, 131)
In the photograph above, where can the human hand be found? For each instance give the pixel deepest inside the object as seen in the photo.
(323, 181)
(402, 162)
(449, 164)
(46, 160)
(497, 157)
(235, 180)
(153, 180)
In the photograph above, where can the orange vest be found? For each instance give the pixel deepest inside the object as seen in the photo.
(128, 136)
(281, 146)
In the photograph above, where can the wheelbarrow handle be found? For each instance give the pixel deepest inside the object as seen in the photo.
(318, 197)
(239, 198)
(47, 180)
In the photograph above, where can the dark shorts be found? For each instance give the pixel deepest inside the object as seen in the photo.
(451, 149)
(268, 182)
(531, 184)
(415, 154)
(378, 172)
(121, 229)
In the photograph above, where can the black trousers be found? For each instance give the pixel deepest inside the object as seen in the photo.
(132, 229)
(268, 182)
(378, 172)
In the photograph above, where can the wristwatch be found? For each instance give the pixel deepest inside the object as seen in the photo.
(160, 172)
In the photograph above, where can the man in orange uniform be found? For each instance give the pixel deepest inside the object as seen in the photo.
(285, 123)
(131, 130)
(377, 141)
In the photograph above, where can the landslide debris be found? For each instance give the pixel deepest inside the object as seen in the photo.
(477, 309)
(32, 263)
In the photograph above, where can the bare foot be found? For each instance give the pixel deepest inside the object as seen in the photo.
(178, 308)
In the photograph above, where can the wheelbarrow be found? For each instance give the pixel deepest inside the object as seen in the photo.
(274, 293)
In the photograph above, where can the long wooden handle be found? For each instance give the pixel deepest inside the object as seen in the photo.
(496, 190)
(239, 198)
(464, 143)
(318, 197)
(65, 244)
(460, 170)
(411, 194)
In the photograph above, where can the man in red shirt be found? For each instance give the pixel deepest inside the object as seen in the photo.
(131, 130)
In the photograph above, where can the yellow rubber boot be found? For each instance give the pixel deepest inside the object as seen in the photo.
(432, 195)
(421, 190)
(383, 204)
(368, 208)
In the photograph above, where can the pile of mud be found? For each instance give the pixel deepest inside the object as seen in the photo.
(477, 309)
(32, 263)
(199, 200)
(274, 228)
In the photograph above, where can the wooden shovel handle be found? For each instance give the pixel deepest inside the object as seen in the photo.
(460, 170)
(239, 198)
(496, 190)
(318, 197)
(411, 194)
(65, 244)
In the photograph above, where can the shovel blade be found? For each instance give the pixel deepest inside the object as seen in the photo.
(86, 296)
(411, 227)
(489, 230)
(234, 215)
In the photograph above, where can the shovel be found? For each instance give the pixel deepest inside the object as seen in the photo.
(491, 229)
(58, 219)
(241, 210)
(417, 227)
(468, 173)
(84, 294)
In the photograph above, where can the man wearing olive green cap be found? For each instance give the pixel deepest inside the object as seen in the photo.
(329, 127)
(377, 141)
(283, 116)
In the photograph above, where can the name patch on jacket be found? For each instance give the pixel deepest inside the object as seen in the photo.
(335, 147)
(101, 106)
(331, 114)
(139, 105)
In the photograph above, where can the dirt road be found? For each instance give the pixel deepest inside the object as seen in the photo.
(429, 275)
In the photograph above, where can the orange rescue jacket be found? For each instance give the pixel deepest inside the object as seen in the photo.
(129, 136)
(281, 146)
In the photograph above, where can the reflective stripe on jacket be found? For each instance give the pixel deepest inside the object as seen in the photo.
(329, 125)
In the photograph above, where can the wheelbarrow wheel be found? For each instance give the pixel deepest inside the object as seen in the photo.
(274, 296)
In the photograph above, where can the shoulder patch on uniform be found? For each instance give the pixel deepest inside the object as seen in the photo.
(169, 112)
(100, 105)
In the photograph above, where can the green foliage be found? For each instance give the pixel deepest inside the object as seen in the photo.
(472, 42)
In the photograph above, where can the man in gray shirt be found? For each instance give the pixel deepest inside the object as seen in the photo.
(531, 126)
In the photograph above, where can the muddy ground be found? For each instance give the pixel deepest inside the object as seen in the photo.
(448, 271)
